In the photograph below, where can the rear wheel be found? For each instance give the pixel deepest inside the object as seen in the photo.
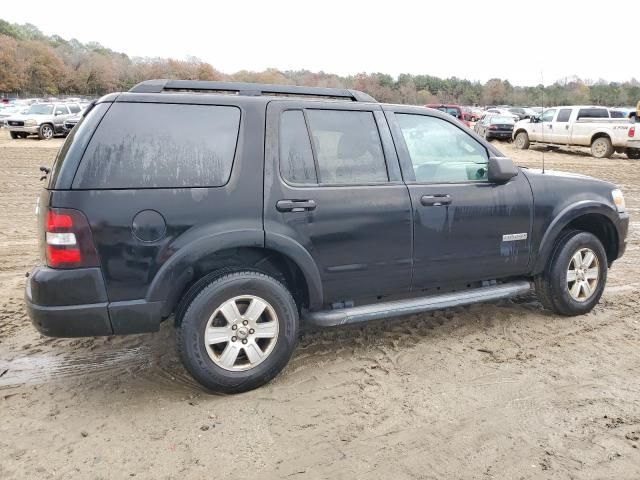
(45, 132)
(239, 332)
(522, 141)
(601, 147)
(574, 279)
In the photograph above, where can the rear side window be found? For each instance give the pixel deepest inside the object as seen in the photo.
(296, 156)
(563, 115)
(148, 145)
(61, 110)
(347, 147)
(593, 113)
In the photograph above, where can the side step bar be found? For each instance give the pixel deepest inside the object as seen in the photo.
(396, 308)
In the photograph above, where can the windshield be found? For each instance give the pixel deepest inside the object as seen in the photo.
(502, 120)
(41, 109)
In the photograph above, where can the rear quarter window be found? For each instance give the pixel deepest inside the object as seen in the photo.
(593, 113)
(149, 145)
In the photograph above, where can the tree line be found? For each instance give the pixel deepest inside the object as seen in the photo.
(32, 63)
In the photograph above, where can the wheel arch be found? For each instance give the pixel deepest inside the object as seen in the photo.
(588, 216)
(600, 134)
(292, 265)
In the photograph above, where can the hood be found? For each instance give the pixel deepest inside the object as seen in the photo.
(558, 180)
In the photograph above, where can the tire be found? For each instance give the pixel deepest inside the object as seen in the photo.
(633, 153)
(23, 135)
(14, 135)
(555, 290)
(601, 147)
(209, 363)
(522, 141)
(45, 132)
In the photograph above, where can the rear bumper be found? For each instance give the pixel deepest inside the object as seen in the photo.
(74, 303)
(503, 135)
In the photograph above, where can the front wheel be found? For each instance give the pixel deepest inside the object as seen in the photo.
(14, 135)
(45, 132)
(574, 279)
(239, 332)
(522, 141)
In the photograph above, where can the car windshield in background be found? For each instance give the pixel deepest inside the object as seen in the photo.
(42, 109)
(502, 120)
(452, 111)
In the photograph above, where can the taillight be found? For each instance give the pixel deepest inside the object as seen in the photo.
(68, 239)
(631, 132)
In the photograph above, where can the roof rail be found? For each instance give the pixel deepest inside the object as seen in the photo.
(249, 89)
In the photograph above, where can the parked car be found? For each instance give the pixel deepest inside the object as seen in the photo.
(501, 111)
(495, 126)
(243, 216)
(42, 119)
(453, 110)
(522, 112)
(583, 126)
(11, 111)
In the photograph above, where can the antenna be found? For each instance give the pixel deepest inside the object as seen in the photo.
(541, 114)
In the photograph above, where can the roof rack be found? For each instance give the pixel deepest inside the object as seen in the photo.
(249, 89)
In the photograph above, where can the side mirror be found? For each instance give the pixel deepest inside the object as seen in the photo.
(501, 169)
(534, 119)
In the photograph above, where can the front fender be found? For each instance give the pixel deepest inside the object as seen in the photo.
(564, 217)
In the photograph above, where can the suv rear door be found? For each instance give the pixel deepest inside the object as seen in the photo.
(465, 227)
(333, 186)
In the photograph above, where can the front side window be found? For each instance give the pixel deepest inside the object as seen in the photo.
(74, 108)
(347, 147)
(61, 110)
(148, 145)
(441, 152)
(548, 115)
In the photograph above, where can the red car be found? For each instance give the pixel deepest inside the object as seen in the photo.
(454, 110)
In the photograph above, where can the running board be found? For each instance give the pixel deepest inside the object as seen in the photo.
(396, 308)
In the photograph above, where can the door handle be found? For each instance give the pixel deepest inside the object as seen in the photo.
(295, 205)
(437, 200)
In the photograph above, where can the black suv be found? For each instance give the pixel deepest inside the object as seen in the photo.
(244, 210)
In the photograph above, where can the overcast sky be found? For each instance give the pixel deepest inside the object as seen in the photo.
(477, 40)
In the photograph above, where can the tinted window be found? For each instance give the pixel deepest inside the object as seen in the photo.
(441, 152)
(74, 108)
(593, 113)
(617, 114)
(547, 116)
(563, 115)
(146, 145)
(296, 157)
(61, 110)
(347, 146)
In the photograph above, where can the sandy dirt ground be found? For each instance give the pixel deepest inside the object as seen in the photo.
(495, 391)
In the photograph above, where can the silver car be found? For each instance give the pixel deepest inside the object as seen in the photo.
(42, 119)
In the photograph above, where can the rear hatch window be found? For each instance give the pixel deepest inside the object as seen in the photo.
(149, 145)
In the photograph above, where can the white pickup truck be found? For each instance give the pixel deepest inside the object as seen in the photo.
(580, 126)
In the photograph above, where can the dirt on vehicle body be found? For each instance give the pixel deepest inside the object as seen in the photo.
(503, 390)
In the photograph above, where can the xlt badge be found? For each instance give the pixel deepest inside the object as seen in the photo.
(512, 237)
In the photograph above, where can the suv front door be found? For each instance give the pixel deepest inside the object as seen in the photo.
(333, 187)
(465, 228)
